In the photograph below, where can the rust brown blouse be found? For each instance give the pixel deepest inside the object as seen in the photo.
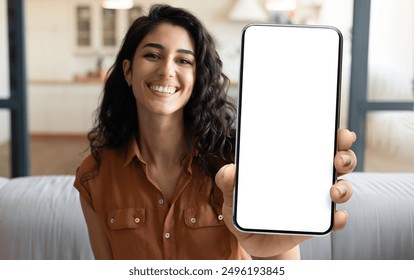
(137, 218)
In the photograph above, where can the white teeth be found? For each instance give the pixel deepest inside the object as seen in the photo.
(163, 89)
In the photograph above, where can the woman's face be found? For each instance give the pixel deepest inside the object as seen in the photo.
(162, 73)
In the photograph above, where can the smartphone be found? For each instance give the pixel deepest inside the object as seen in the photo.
(288, 115)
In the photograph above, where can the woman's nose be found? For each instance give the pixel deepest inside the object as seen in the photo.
(166, 69)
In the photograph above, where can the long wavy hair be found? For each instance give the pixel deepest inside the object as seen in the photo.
(209, 115)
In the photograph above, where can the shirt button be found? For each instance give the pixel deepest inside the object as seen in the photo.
(220, 217)
(137, 220)
(167, 235)
(193, 220)
(112, 221)
(161, 201)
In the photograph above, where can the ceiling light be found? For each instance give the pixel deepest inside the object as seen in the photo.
(248, 11)
(117, 4)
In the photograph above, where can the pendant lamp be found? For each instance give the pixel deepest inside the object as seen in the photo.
(248, 11)
(117, 4)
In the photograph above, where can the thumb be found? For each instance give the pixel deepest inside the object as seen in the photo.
(225, 181)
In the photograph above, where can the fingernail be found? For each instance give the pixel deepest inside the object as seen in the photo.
(342, 190)
(346, 160)
(355, 136)
(345, 212)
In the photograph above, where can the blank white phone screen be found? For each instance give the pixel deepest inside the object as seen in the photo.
(287, 124)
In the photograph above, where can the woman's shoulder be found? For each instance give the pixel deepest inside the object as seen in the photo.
(90, 165)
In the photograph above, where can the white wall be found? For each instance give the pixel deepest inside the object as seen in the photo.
(49, 37)
(52, 53)
(391, 51)
(4, 73)
(339, 13)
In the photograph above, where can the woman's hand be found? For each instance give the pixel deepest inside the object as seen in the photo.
(267, 245)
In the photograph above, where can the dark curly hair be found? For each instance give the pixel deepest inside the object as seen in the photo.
(209, 115)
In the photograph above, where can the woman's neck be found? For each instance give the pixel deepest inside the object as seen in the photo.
(162, 140)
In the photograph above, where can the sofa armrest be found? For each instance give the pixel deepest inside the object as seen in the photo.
(381, 218)
(41, 218)
(380, 224)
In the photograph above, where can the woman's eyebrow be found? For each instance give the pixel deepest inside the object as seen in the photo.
(154, 45)
(186, 52)
(161, 47)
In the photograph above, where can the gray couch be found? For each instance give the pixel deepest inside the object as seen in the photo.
(40, 218)
(380, 224)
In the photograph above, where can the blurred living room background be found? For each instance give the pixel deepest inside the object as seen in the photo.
(70, 44)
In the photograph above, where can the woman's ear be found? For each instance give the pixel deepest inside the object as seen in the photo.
(126, 66)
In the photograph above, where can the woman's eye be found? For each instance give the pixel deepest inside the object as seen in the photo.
(152, 56)
(184, 61)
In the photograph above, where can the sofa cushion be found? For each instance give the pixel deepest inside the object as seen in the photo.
(3, 181)
(380, 225)
(381, 218)
(41, 218)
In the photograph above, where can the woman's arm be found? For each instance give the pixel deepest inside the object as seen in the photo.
(292, 254)
(99, 242)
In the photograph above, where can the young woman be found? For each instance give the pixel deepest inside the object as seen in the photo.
(158, 183)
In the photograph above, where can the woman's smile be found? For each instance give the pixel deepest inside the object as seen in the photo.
(163, 89)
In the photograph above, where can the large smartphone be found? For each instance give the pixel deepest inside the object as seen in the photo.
(288, 115)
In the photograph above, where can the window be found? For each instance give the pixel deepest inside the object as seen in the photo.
(381, 99)
(83, 15)
(109, 33)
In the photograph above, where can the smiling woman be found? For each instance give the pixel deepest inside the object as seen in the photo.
(163, 66)
(163, 130)
(158, 182)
